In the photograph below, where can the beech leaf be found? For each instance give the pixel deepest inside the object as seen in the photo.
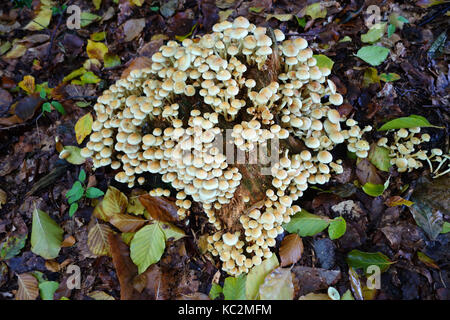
(98, 242)
(277, 285)
(373, 55)
(256, 276)
(359, 259)
(234, 288)
(306, 224)
(291, 249)
(406, 122)
(28, 287)
(147, 246)
(46, 235)
(83, 127)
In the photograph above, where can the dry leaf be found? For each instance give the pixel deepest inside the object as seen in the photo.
(126, 222)
(28, 84)
(291, 249)
(98, 239)
(138, 63)
(28, 287)
(68, 242)
(52, 265)
(133, 28)
(83, 127)
(96, 50)
(159, 208)
(100, 295)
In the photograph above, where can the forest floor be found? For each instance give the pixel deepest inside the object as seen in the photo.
(40, 105)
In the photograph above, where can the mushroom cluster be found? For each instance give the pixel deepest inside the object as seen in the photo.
(210, 75)
(404, 155)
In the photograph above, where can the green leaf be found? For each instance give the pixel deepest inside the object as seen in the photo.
(58, 107)
(445, 227)
(147, 246)
(82, 175)
(234, 288)
(47, 107)
(345, 39)
(74, 74)
(373, 55)
(75, 155)
(89, 77)
(73, 208)
(46, 235)
(360, 259)
(98, 36)
(215, 291)
(316, 10)
(374, 34)
(256, 276)
(347, 296)
(323, 61)
(171, 232)
(47, 289)
(306, 224)
(379, 157)
(111, 60)
(301, 21)
(75, 193)
(181, 38)
(370, 76)
(333, 293)
(11, 246)
(402, 19)
(337, 228)
(406, 122)
(93, 193)
(87, 18)
(391, 30)
(375, 190)
(389, 77)
(43, 93)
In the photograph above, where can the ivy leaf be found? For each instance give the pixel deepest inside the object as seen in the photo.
(83, 127)
(47, 289)
(373, 55)
(46, 235)
(359, 259)
(11, 246)
(234, 288)
(337, 228)
(215, 291)
(406, 122)
(277, 285)
(306, 224)
(147, 246)
(93, 193)
(256, 276)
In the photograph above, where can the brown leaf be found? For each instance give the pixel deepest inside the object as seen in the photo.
(127, 222)
(126, 270)
(367, 172)
(114, 202)
(28, 287)
(291, 249)
(68, 242)
(138, 63)
(98, 239)
(314, 279)
(5, 100)
(160, 208)
(133, 28)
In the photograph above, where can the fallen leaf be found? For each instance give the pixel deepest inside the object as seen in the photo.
(256, 276)
(159, 208)
(126, 222)
(133, 28)
(291, 249)
(97, 241)
(96, 50)
(42, 19)
(373, 55)
(278, 285)
(398, 201)
(100, 295)
(147, 246)
(46, 235)
(27, 84)
(83, 127)
(114, 202)
(28, 287)
(234, 288)
(360, 259)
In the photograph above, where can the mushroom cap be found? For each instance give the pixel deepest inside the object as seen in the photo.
(230, 239)
(324, 157)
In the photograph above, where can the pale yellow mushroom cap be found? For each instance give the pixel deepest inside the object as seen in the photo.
(324, 157)
(230, 239)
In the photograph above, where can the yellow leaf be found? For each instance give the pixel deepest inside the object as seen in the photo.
(280, 17)
(41, 21)
(27, 84)
(114, 202)
(97, 4)
(96, 50)
(83, 127)
(16, 52)
(137, 2)
(98, 239)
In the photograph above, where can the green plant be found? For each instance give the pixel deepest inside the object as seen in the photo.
(22, 3)
(79, 190)
(47, 106)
